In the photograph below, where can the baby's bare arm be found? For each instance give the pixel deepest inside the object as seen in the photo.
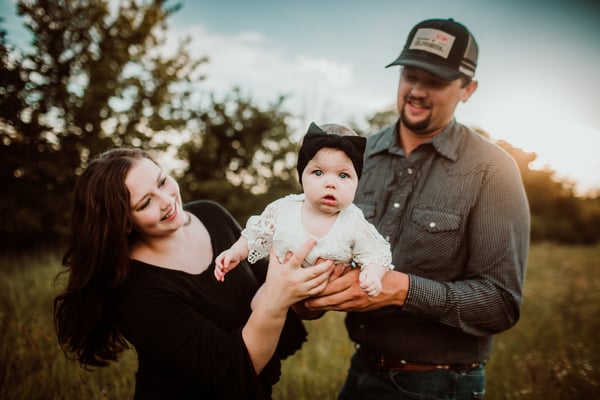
(230, 258)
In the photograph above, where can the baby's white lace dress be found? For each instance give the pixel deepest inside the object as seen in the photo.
(351, 238)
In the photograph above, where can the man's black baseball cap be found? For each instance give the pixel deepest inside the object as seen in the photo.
(441, 46)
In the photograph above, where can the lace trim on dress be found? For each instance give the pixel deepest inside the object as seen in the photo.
(259, 232)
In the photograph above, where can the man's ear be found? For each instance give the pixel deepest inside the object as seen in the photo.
(469, 90)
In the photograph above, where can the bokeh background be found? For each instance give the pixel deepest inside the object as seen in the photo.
(220, 92)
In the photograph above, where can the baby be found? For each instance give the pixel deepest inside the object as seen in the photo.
(330, 161)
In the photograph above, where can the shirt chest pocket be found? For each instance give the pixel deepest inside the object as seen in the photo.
(436, 221)
(434, 238)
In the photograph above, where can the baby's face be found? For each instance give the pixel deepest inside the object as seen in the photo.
(329, 181)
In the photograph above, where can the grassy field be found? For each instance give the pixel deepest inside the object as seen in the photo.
(552, 353)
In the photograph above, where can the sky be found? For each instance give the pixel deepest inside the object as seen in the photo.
(538, 68)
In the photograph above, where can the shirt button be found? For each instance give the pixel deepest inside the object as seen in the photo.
(387, 238)
(432, 224)
(410, 171)
(362, 326)
(396, 205)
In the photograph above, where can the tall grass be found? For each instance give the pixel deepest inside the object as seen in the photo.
(552, 353)
(32, 365)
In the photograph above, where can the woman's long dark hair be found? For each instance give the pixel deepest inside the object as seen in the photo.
(97, 260)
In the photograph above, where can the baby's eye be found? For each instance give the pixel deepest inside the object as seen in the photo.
(344, 175)
(318, 172)
(162, 181)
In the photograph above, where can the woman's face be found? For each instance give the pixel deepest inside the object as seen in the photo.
(156, 207)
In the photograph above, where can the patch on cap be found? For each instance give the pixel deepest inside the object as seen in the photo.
(442, 47)
(432, 41)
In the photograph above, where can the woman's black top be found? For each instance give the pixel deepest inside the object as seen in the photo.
(186, 329)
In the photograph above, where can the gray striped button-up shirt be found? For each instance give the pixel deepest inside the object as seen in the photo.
(457, 218)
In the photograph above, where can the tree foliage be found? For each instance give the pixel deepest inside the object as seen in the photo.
(241, 156)
(95, 78)
(557, 214)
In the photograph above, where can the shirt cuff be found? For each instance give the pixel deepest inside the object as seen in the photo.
(425, 296)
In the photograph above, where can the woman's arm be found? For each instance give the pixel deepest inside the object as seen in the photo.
(285, 285)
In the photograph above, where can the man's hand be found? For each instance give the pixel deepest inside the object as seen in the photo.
(343, 292)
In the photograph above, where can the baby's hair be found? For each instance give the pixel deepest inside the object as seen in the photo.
(332, 129)
(337, 129)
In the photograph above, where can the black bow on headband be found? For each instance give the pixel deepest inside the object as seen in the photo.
(317, 139)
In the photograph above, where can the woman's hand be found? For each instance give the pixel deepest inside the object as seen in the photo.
(300, 307)
(290, 282)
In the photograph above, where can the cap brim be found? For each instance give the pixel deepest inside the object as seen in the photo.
(440, 71)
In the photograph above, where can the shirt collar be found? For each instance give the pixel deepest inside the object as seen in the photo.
(445, 143)
(388, 141)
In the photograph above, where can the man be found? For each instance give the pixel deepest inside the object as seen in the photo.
(453, 208)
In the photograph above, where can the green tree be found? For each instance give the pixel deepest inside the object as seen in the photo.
(382, 119)
(15, 176)
(93, 80)
(557, 214)
(240, 156)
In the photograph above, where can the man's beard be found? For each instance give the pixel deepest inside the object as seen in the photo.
(418, 127)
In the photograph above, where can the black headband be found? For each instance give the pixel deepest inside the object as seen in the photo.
(317, 139)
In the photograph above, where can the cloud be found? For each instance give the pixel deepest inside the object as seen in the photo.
(246, 59)
(317, 88)
(324, 70)
(325, 90)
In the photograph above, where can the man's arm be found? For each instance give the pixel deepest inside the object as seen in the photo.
(343, 292)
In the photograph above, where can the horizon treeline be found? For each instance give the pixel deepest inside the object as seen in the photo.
(93, 79)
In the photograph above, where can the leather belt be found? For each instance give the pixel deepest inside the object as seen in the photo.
(381, 363)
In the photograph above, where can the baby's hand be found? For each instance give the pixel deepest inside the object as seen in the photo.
(225, 262)
(370, 283)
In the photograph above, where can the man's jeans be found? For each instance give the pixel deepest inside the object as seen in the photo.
(438, 384)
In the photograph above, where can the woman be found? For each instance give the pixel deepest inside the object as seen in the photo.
(140, 270)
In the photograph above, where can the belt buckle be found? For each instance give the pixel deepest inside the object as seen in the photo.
(381, 364)
(464, 368)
